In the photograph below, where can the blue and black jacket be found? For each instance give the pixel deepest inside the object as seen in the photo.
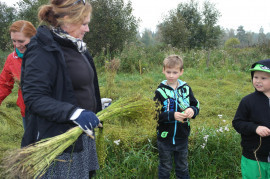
(174, 100)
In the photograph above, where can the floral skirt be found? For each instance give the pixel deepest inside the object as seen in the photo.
(75, 165)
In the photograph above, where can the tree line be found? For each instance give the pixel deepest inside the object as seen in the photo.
(113, 26)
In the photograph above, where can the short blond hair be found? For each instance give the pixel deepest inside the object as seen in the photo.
(173, 61)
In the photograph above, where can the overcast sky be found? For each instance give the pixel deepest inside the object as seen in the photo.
(252, 14)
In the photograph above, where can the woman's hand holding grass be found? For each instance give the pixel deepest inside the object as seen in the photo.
(86, 120)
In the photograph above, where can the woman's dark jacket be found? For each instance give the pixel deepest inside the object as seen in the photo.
(48, 91)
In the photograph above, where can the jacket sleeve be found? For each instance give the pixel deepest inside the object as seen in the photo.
(194, 103)
(163, 116)
(240, 121)
(38, 80)
(6, 81)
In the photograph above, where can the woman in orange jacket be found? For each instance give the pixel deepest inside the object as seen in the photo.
(20, 33)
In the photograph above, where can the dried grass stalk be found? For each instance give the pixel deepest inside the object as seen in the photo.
(34, 160)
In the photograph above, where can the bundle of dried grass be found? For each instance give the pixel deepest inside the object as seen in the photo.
(133, 129)
(34, 160)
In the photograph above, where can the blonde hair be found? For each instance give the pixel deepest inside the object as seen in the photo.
(54, 12)
(23, 26)
(173, 61)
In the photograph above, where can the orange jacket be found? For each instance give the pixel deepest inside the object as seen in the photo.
(10, 74)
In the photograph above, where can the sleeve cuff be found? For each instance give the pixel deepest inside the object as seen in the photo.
(76, 114)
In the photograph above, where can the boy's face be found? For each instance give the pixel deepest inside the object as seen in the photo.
(172, 74)
(261, 81)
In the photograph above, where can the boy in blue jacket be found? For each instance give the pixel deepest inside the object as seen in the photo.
(178, 106)
(252, 121)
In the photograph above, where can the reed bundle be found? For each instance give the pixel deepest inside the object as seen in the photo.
(34, 160)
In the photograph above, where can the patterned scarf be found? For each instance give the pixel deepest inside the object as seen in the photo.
(81, 46)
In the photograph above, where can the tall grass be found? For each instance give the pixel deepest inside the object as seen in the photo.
(214, 147)
(3, 57)
(219, 79)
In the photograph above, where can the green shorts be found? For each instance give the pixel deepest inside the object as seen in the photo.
(251, 169)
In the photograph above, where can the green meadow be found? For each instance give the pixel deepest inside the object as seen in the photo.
(219, 79)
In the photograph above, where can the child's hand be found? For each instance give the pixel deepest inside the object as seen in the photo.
(263, 131)
(180, 116)
(189, 112)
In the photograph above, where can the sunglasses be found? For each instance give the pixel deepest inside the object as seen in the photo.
(76, 2)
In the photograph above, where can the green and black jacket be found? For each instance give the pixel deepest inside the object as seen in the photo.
(172, 101)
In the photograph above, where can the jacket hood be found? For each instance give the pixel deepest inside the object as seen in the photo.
(44, 37)
(265, 62)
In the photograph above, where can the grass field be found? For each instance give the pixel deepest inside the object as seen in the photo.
(214, 146)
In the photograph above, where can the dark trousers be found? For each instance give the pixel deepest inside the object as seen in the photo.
(169, 153)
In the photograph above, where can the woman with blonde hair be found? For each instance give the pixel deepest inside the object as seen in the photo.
(60, 86)
(20, 33)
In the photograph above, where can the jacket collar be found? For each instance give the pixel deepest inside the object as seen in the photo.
(164, 84)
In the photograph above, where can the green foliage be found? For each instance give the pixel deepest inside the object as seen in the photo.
(174, 31)
(265, 48)
(111, 68)
(140, 59)
(193, 21)
(11, 128)
(241, 35)
(137, 58)
(148, 38)
(113, 25)
(132, 58)
(187, 27)
(232, 42)
(3, 57)
(28, 10)
(7, 16)
(262, 37)
(211, 32)
(135, 163)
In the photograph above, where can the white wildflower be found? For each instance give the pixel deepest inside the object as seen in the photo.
(220, 116)
(203, 145)
(224, 120)
(220, 129)
(117, 142)
(205, 138)
(226, 128)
